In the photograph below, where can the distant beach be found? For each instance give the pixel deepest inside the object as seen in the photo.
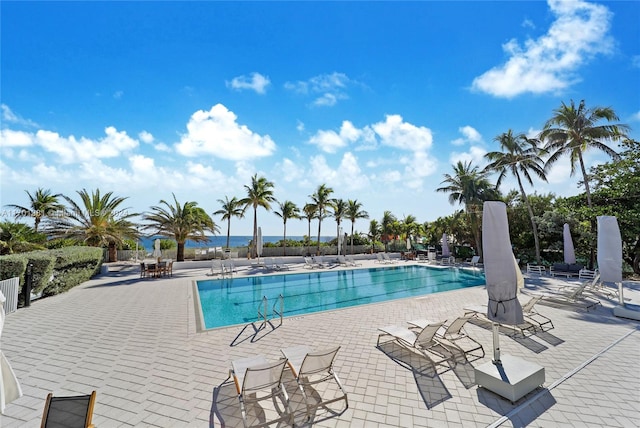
(235, 241)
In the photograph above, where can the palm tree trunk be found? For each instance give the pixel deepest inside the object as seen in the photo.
(592, 253)
(254, 248)
(228, 231)
(319, 225)
(113, 253)
(533, 221)
(180, 254)
(308, 235)
(284, 242)
(352, 238)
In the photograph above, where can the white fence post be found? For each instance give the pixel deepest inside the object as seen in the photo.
(9, 288)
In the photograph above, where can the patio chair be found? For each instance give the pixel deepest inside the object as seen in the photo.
(455, 336)
(281, 265)
(342, 261)
(257, 379)
(475, 261)
(270, 264)
(480, 311)
(68, 412)
(573, 296)
(312, 368)
(352, 262)
(388, 259)
(319, 262)
(423, 341)
(308, 263)
(530, 314)
(379, 258)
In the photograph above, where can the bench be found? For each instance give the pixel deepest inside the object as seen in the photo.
(564, 269)
(539, 269)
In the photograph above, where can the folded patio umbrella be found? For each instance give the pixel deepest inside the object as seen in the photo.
(569, 251)
(9, 386)
(445, 246)
(609, 249)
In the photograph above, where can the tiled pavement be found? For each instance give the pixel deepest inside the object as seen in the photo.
(135, 342)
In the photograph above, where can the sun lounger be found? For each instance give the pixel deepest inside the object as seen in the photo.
(308, 263)
(423, 341)
(281, 265)
(455, 335)
(573, 296)
(257, 379)
(311, 368)
(475, 261)
(342, 261)
(480, 311)
(352, 262)
(388, 259)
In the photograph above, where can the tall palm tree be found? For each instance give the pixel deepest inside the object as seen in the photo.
(310, 213)
(180, 222)
(320, 199)
(339, 208)
(41, 204)
(386, 227)
(574, 130)
(287, 210)
(354, 212)
(230, 208)
(520, 156)
(259, 194)
(375, 231)
(19, 238)
(99, 220)
(469, 186)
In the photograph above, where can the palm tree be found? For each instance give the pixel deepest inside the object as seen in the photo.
(339, 207)
(386, 227)
(354, 212)
(259, 194)
(309, 214)
(41, 204)
(99, 220)
(180, 222)
(321, 201)
(375, 230)
(574, 130)
(520, 156)
(19, 238)
(230, 208)
(287, 210)
(469, 186)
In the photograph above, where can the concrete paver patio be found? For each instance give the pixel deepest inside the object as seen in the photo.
(135, 342)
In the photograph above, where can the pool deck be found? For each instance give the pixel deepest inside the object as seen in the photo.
(135, 342)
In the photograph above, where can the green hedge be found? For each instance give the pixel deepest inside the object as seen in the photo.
(54, 271)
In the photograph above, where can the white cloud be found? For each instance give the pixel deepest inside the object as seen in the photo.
(330, 141)
(10, 117)
(636, 116)
(330, 87)
(548, 64)
(118, 94)
(475, 155)
(394, 132)
(145, 137)
(346, 176)
(255, 82)
(469, 135)
(216, 132)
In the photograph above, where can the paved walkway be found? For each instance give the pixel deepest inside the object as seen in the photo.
(135, 342)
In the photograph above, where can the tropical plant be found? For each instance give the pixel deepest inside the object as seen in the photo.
(98, 221)
(180, 222)
(469, 186)
(321, 201)
(339, 207)
(287, 210)
(310, 212)
(230, 208)
(354, 212)
(387, 228)
(574, 130)
(375, 231)
(259, 194)
(19, 238)
(520, 156)
(42, 204)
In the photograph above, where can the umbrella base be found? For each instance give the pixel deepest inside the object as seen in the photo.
(627, 312)
(512, 379)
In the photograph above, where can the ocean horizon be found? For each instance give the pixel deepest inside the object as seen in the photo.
(235, 241)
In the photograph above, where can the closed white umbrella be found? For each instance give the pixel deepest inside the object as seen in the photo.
(9, 387)
(445, 246)
(156, 248)
(499, 270)
(569, 251)
(259, 243)
(610, 251)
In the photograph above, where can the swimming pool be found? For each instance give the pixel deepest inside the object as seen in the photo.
(232, 301)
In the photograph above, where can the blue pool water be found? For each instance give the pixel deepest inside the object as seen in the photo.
(232, 301)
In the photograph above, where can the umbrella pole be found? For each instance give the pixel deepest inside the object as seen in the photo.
(620, 296)
(496, 343)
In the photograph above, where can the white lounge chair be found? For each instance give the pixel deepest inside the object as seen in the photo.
(454, 335)
(352, 262)
(475, 261)
(281, 265)
(573, 296)
(423, 341)
(257, 379)
(270, 264)
(379, 258)
(479, 311)
(311, 368)
(342, 261)
(388, 259)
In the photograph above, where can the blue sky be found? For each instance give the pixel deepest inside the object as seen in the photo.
(375, 99)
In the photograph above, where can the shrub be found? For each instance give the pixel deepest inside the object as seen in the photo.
(13, 265)
(73, 266)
